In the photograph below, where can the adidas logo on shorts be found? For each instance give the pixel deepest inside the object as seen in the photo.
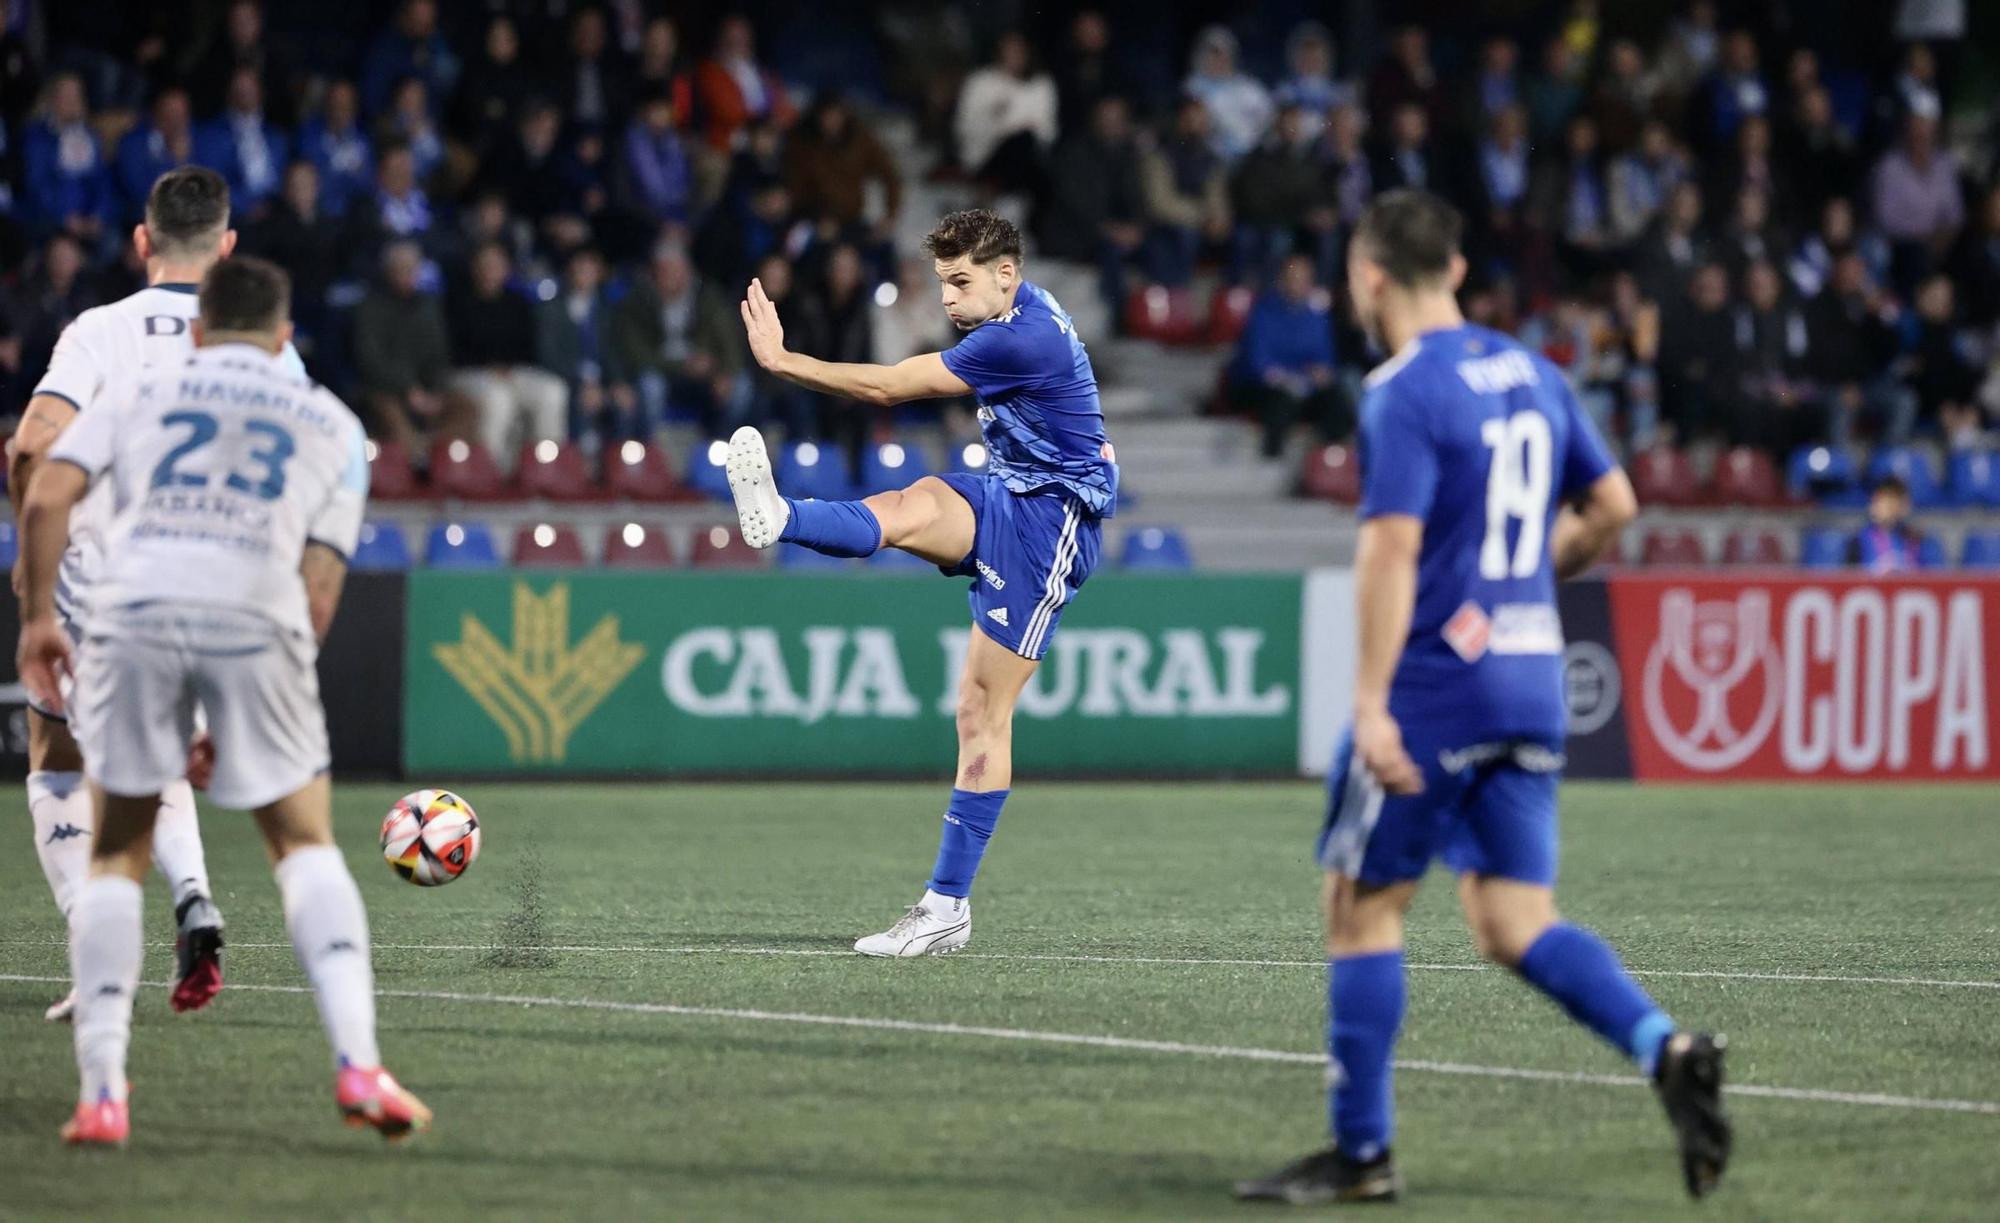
(998, 616)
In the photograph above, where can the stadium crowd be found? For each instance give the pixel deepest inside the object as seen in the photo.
(510, 222)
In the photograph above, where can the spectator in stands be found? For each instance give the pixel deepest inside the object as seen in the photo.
(495, 86)
(1642, 180)
(1006, 119)
(1095, 209)
(152, 148)
(1916, 200)
(1350, 180)
(20, 72)
(655, 173)
(1750, 165)
(1915, 90)
(1770, 364)
(1943, 372)
(1503, 175)
(1818, 156)
(1750, 235)
(731, 89)
(67, 184)
(402, 357)
(594, 84)
(1239, 107)
(297, 235)
(682, 346)
(1277, 198)
(1573, 202)
(1405, 77)
(1634, 324)
(1674, 247)
(1692, 47)
(485, 220)
(1555, 94)
(1697, 351)
(1310, 84)
(492, 333)
(573, 341)
(531, 174)
(660, 66)
(1888, 543)
(1852, 352)
(837, 324)
(240, 43)
(1085, 71)
(830, 164)
(339, 149)
(1407, 159)
(1813, 261)
(1622, 100)
(1495, 87)
(46, 300)
(397, 209)
(1186, 188)
(1977, 262)
(411, 46)
(243, 145)
(1285, 369)
(1734, 92)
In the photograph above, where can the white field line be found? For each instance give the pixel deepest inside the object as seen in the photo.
(1074, 1039)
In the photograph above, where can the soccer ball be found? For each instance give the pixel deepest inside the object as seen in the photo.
(430, 837)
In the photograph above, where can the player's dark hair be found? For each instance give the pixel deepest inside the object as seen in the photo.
(245, 294)
(187, 210)
(1412, 234)
(978, 234)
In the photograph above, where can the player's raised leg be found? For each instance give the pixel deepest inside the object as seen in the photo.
(329, 929)
(107, 949)
(941, 920)
(927, 519)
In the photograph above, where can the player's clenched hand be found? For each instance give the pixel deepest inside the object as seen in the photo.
(760, 322)
(1378, 741)
(43, 661)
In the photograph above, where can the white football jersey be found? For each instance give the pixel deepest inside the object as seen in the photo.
(114, 341)
(221, 467)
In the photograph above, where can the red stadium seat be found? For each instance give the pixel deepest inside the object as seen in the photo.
(1332, 474)
(555, 472)
(465, 470)
(1672, 546)
(1228, 311)
(638, 471)
(548, 546)
(1664, 476)
(720, 547)
(1156, 312)
(390, 476)
(635, 545)
(1747, 477)
(1754, 548)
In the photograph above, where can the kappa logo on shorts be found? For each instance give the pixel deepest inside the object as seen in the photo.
(998, 616)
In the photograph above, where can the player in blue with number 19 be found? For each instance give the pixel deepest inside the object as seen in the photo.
(1026, 531)
(1482, 484)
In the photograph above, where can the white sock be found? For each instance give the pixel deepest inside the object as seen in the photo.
(59, 804)
(106, 948)
(330, 936)
(177, 843)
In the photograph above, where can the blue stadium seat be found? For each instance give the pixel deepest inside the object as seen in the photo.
(1156, 548)
(1982, 550)
(1930, 553)
(792, 556)
(1973, 476)
(706, 474)
(10, 543)
(1914, 469)
(1823, 548)
(383, 548)
(461, 545)
(1826, 474)
(890, 465)
(808, 469)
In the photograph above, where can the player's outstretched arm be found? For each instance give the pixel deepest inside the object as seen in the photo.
(1385, 597)
(1586, 529)
(43, 656)
(921, 377)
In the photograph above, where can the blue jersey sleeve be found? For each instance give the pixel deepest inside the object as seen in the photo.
(996, 360)
(1588, 458)
(1399, 461)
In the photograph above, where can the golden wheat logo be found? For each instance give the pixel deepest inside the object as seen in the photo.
(540, 689)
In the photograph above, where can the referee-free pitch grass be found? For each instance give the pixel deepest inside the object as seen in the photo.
(655, 1054)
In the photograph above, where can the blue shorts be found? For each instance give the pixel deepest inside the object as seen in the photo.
(1030, 555)
(1489, 809)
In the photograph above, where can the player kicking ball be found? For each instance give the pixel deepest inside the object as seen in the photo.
(1026, 531)
(1482, 484)
(185, 232)
(237, 491)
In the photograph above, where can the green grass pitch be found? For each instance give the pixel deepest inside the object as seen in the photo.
(1104, 911)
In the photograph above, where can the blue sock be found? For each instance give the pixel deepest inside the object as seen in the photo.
(968, 825)
(1364, 1008)
(1582, 974)
(836, 528)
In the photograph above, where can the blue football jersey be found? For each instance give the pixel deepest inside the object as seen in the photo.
(1482, 440)
(1038, 407)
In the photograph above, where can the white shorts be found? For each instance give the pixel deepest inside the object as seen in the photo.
(146, 671)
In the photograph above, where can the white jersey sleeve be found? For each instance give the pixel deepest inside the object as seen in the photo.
(77, 367)
(338, 523)
(90, 441)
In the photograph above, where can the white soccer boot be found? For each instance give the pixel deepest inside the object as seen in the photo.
(935, 925)
(761, 513)
(63, 1010)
